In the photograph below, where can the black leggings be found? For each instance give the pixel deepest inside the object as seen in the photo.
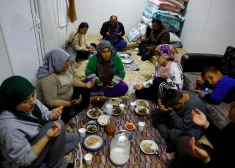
(72, 111)
(155, 91)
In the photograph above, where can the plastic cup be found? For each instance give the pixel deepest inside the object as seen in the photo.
(122, 106)
(88, 158)
(109, 108)
(82, 132)
(132, 106)
(141, 126)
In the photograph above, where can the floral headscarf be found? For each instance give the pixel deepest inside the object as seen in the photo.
(169, 52)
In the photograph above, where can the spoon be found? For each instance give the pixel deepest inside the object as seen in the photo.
(129, 133)
(155, 151)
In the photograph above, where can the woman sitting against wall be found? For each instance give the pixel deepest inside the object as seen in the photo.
(56, 86)
(78, 38)
(30, 134)
(106, 69)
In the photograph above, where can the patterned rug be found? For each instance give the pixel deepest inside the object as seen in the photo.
(128, 61)
(137, 159)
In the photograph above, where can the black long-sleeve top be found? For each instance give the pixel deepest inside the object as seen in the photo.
(223, 140)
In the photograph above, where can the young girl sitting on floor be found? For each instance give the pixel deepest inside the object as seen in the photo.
(167, 74)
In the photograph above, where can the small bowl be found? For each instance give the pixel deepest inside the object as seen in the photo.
(98, 101)
(128, 125)
(127, 133)
(90, 124)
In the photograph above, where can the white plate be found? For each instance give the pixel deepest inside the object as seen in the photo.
(93, 147)
(126, 58)
(116, 101)
(103, 120)
(154, 146)
(141, 107)
(88, 114)
(140, 101)
(127, 61)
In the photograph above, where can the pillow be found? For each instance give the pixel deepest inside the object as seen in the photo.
(228, 62)
(174, 38)
(133, 34)
(142, 28)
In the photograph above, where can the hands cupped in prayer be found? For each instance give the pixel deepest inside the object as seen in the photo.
(56, 113)
(76, 101)
(54, 131)
(138, 86)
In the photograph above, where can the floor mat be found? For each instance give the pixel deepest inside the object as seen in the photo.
(137, 158)
(128, 60)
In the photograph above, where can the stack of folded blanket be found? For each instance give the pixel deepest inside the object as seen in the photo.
(169, 12)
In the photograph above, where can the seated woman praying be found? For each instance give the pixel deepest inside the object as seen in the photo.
(30, 135)
(107, 70)
(57, 87)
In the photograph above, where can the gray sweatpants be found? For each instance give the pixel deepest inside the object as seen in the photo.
(53, 154)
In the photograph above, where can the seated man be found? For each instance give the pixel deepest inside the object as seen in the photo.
(159, 35)
(172, 119)
(223, 85)
(113, 31)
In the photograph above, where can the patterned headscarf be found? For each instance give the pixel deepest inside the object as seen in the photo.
(104, 44)
(169, 52)
(53, 62)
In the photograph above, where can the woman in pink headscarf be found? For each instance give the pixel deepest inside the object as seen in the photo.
(167, 74)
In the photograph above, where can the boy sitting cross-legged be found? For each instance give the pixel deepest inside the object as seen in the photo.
(223, 86)
(172, 119)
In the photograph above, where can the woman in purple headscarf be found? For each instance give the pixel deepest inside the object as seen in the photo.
(56, 86)
(167, 74)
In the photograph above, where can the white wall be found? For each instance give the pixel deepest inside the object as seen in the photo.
(5, 66)
(209, 26)
(96, 12)
(129, 12)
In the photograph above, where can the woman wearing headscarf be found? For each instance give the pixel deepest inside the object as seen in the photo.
(107, 70)
(57, 87)
(167, 74)
(30, 134)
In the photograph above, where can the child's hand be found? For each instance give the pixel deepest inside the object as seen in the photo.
(138, 86)
(199, 80)
(163, 108)
(163, 75)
